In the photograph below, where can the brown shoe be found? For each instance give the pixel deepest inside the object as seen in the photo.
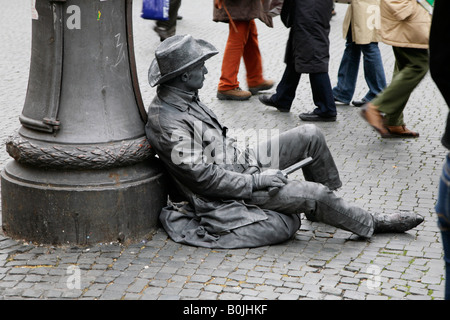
(371, 114)
(234, 94)
(402, 131)
(266, 85)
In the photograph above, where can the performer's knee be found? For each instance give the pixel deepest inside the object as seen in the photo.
(311, 132)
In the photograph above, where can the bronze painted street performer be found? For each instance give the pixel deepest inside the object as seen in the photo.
(227, 202)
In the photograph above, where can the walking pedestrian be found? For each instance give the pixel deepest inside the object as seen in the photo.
(307, 51)
(242, 43)
(360, 28)
(168, 28)
(440, 70)
(405, 25)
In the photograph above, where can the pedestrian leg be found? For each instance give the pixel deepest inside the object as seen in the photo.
(373, 70)
(348, 71)
(411, 67)
(232, 55)
(252, 57)
(322, 94)
(287, 87)
(443, 211)
(168, 28)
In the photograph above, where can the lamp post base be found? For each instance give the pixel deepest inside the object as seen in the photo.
(82, 206)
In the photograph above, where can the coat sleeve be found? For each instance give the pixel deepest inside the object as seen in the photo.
(185, 161)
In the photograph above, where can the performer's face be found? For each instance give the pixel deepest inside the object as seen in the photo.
(196, 76)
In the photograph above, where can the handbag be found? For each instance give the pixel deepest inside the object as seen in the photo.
(427, 5)
(155, 9)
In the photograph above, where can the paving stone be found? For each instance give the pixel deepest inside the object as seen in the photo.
(249, 292)
(213, 288)
(112, 295)
(331, 291)
(137, 286)
(270, 295)
(354, 295)
(94, 293)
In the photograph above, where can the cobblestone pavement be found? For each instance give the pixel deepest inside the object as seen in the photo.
(321, 262)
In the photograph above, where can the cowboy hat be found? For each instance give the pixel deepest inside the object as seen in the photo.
(176, 54)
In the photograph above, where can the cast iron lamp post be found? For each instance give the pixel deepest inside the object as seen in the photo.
(83, 171)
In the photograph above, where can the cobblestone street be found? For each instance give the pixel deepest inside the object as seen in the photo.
(321, 262)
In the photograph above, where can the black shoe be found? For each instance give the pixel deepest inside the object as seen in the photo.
(396, 222)
(267, 100)
(315, 117)
(359, 103)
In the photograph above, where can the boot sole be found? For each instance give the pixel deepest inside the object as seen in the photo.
(318, 119)
(222, 96)
(255, 91)
(273, 105)
(403, 135)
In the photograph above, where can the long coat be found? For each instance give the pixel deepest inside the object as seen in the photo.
(244, 10)
(218, 215)
(363, 16)
(405, 23)
(308, 43)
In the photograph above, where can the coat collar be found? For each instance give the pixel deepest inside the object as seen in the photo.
(177, 98)
(187, 101)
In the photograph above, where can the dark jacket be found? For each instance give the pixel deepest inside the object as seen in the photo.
(308, 44)
(244, 10)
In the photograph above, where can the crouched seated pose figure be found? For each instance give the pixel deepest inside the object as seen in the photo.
(226, 189)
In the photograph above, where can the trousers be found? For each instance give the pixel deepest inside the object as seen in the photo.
(315, 196)
(168, 28)
(411, 66)
(443, 213)
(320, 86)
(241, 44)
(349, 67)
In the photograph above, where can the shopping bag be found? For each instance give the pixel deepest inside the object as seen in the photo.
(155, 9)
(427, 4)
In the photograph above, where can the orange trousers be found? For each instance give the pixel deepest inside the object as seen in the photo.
(241, 44)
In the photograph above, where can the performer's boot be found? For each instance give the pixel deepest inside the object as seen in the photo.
(396, 222)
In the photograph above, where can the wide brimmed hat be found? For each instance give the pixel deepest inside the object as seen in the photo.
(176, 54)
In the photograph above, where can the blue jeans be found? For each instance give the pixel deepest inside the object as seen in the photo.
(443, 213)
(349, 67)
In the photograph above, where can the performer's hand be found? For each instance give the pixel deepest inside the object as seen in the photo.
(268, 180)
